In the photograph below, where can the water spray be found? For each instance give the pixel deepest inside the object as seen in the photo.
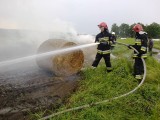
(23, 59)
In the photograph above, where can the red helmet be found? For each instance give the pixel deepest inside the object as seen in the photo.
(138, 28)
(103, 24)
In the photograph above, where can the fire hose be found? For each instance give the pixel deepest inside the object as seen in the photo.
(107, 100)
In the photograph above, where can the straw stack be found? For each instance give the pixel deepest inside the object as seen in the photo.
(61, 64)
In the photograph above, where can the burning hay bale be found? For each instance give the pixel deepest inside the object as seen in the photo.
(63, 63)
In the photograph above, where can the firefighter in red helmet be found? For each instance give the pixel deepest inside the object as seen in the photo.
(140, 45)
(103, 49)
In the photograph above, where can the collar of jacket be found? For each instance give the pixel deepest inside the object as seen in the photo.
(105, 31)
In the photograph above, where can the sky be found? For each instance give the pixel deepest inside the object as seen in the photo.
(80, 16)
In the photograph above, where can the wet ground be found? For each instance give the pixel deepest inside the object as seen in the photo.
(29, 88)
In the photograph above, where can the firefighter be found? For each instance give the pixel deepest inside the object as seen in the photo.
(103, 49)
(140, 45)
(150, 46)
(113, 38)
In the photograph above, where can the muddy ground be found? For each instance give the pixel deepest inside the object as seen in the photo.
(30, 88)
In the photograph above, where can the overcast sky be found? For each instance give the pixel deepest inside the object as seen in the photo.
(79, 15)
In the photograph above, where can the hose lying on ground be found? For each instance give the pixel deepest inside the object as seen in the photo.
(104, 101)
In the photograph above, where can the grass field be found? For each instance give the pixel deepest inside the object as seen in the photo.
(157, 44)
(131, 41)
(97, 85)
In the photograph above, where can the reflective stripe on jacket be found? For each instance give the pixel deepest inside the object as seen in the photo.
(138, 42)
(143, 48)
(104, 52)
(104, 39)
(135, 55)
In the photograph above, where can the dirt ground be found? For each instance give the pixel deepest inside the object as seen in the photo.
(24, 90)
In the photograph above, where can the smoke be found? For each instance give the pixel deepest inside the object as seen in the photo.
(83, 39)
(22, 42)
(25, 40)
(25, 25)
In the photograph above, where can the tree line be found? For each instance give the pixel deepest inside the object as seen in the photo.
(125, 30)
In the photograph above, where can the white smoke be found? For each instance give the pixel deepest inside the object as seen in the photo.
(83, 39)
(23, 42)
(29, 23)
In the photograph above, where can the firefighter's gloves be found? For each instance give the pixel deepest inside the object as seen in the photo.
(139, 55)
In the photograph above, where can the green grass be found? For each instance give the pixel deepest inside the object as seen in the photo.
(97, 85)
(157, 44)
(127, 41)
(131, 41)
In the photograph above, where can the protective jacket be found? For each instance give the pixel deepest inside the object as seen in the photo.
(141, 41)
(104, 38)
(113, 39)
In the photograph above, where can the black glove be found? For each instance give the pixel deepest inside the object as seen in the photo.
(129, 46)
(139, 55)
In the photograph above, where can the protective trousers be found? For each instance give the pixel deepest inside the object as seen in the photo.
(150, 51)
(106, 58)
(138, 68)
